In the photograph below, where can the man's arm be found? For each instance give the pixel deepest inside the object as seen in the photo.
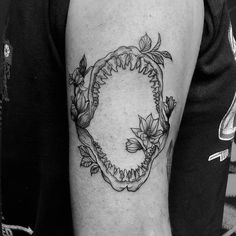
(129, 63)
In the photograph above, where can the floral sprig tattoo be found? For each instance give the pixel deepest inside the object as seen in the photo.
(152, 132)
(148, 132)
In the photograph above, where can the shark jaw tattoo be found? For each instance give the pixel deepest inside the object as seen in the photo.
(150, 133)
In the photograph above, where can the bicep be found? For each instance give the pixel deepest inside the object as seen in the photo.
(130, 64)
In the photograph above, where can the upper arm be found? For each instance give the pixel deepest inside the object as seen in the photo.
(130, 64)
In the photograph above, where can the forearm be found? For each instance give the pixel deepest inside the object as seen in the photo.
(125, 110)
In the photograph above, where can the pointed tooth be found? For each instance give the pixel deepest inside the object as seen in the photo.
(138, 63)
(105, 72)
(155, 85)
(155, 90)
(101, 154)
(156, 95)
(95, 90)
(107, 164)
(154, 79)
(147, 69)
(111, 169)
(157, 99)
(95, 95)
(115, 170)
(123, 59)
(125, 175)
(103, 159)
(132, 61)
(107, 69)
(133, 176)
(102, 75)
(99, 80)
(147, 161)
(116, 173)
(141, 171)
(118, 62)
(95, 100)
(105, 76)
(142, 65)
(99, 150)
(127, 60)
(129, 175)
(137, 173)
(132, 171)
(144, 166)
(110, 165)
(113, 64)
(96, 145)
(152, 73)
(122, 175)
(97, 85)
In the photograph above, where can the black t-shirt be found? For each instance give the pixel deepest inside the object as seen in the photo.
(35, 182)
(35, 139)
(202, 153)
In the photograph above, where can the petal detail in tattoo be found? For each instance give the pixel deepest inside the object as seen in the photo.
(133, 145)
(145, 43)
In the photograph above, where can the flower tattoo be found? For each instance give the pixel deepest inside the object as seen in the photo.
(148, 133)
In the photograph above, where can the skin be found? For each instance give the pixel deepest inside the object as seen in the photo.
(96, 28)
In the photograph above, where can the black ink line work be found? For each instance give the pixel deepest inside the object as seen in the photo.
(150, 133)
(169, 154)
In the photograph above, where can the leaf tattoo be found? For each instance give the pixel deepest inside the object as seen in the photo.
(94, 169)
(83, 66)
(158, 44)
(86, 162)
(145, 45)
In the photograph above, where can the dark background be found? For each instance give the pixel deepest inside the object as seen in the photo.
(4, 4)
(3, 12)
(232, 7)
(231, 3)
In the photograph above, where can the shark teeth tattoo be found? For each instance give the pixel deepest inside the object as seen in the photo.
(150, 136)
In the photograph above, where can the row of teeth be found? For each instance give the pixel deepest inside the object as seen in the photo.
(124, 175)
(123, 61)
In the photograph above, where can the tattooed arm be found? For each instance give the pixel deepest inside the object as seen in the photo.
(130, 63)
